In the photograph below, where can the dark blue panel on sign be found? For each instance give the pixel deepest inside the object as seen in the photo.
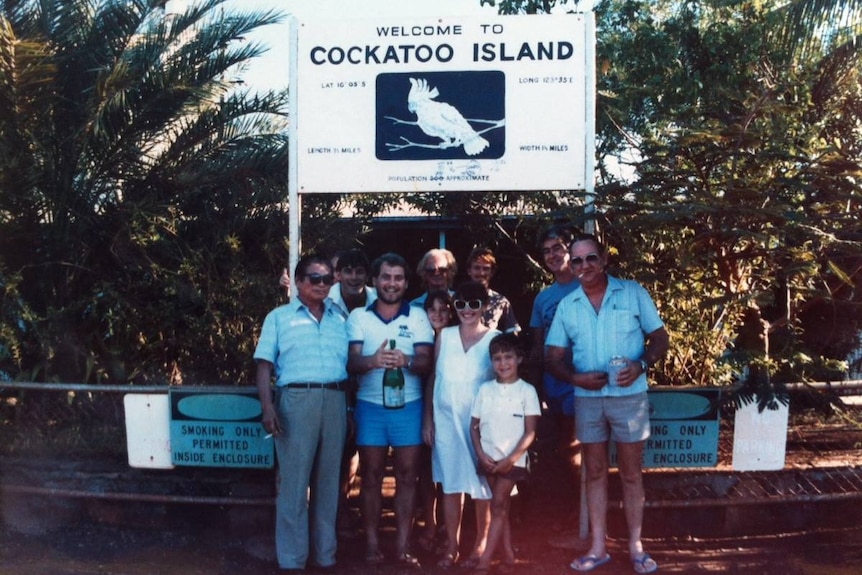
(441, 116)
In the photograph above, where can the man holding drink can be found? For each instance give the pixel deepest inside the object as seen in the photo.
(608, 325)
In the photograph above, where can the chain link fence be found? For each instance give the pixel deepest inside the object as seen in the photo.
(61, 438)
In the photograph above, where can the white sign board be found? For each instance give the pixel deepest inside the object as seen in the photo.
(148, 433)
(759, 438)
(445, 104)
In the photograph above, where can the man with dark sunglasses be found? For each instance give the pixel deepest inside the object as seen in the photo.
(608, 322)
(304, 343)
(436, 270)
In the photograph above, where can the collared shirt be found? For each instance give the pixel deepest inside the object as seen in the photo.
(626, 315)
(409, 328)
(420, 301)
(544, 308)
(502, 409)
(336, 298)
(301, 348)
(499, 314)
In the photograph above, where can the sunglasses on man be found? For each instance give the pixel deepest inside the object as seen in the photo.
(436, 271)
(590, 259)
(317, 279)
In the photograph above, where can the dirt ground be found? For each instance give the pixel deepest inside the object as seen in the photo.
(203, 540)
(818, 537)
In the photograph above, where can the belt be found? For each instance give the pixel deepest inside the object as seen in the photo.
(336, 385)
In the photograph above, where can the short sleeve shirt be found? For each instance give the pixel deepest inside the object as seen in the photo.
(338, 300)
(301, 348)
(420, 301)
(626, 315)
(499, 313)
(410, 329)
(501, 409)
(544, 308)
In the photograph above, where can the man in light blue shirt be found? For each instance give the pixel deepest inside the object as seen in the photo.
(607, 318)
(305, 344)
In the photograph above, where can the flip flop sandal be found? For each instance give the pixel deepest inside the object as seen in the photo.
(589, 562)
(644, 564)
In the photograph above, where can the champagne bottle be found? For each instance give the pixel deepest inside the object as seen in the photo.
(393, 385)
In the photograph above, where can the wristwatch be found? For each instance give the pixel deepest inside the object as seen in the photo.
(644, 366)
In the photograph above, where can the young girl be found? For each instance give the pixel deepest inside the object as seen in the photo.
(441, 314)
(504, 418)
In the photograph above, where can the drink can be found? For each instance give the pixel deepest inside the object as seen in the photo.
(615, 365)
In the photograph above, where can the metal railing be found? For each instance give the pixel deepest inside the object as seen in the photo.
(69, 440)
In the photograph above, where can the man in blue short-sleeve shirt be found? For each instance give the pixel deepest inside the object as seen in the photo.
(605, 318)
(305, 344)
(553, 244)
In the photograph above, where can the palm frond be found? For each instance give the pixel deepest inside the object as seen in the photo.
(809, 29)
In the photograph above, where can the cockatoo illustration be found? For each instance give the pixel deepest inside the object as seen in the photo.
(442, 120)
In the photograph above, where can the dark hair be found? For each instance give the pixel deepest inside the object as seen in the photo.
(472, 290)
(584, 237)
(354, 258)
(306, 261)
(506, 342)
(443, 297)
(391, 259)
(563, 232)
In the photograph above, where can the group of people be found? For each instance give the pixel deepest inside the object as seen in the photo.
(320, 365)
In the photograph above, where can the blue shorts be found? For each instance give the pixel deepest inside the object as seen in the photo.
(559, 395)
(624, 419)
(377, 426)
(564, 404)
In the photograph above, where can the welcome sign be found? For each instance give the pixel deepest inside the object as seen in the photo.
(444, 104)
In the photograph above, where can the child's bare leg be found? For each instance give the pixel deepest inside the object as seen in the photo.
(501, 489)
(508, 548)
(483, 520)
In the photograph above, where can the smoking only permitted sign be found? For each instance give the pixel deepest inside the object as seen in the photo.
(684, 428)
(212, 428)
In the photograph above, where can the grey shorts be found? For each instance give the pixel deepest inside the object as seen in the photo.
(623, 419)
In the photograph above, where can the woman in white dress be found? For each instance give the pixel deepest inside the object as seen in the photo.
(462, 364)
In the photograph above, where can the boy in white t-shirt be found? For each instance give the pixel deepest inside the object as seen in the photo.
(503, 424)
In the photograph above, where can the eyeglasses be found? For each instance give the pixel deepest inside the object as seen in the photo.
(435, 271)
(590, 259)
(317, 279)
(473, 304)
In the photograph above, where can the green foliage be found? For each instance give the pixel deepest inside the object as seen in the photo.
(142, 196)
(741, 214)
(140, 193)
